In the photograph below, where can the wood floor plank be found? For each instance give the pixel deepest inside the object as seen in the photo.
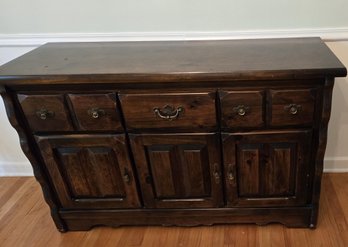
(7, 186)
(340, 184)
(25, 221)
(212, 236)
(132, 236)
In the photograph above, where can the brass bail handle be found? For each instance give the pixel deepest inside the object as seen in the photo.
(168, 112)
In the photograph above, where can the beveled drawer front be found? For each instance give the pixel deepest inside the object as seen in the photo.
(45, 112)
(96, 111)
(195, 111)
(242, 109)
(292, 107)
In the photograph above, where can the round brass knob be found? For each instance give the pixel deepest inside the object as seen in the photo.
(292, 109)
(43, 114)
(241, 110)
(96, 112)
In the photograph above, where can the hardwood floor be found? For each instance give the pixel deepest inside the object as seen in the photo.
(25, 221)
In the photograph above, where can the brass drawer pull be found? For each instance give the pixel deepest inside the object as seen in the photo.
(168, 112)
(96, 112)
(241, 110)
(293, 109)
(43, 114)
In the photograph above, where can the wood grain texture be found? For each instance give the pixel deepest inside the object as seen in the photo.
(96, 111)
(55, 115)
(185, 60)
(251, 104)
(320, 145)
(163, 99)
(25, 221)
(28, 148)
(198, 111)
(267, 168)
(281, 102)
(90, 171)
(178, 170)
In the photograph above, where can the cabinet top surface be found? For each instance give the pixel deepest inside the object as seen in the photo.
(176, 60)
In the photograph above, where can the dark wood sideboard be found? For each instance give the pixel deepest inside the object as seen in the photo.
(175, 133)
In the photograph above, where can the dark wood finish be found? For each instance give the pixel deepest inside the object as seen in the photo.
(84, 220)
(172, 61)
(198, 111)
(96, 111)
(27, 144)
(292, 107)
(90, 171)
(242, 109)
(153, 152)
(45, 112)
(179, 171)
(319, 146)
(266, 168)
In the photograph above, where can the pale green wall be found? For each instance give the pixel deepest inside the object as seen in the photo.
(86, 16)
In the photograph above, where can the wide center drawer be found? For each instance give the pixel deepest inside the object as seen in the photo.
(195, 111)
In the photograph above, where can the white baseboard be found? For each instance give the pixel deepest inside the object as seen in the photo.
(328, 34)
(336, 164)
(9, 169)
(331, 165)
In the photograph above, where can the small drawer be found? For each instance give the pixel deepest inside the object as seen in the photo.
(45, 112)
(292, 107)
(241, 109)
(195, 111)
(96, 111)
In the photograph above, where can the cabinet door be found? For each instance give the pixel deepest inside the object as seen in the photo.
(178, 170)
(266, 168)
(90, 171)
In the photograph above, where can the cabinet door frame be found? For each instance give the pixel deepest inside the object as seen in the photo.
(302, 140)
(140, 142)
(116, 143)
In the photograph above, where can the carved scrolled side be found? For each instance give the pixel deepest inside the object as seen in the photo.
(38, 173)
(321, 147)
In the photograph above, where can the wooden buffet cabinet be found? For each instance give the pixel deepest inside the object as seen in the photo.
(175, 133)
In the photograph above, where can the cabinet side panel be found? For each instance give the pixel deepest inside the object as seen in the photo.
(27, 145)
(321, 146)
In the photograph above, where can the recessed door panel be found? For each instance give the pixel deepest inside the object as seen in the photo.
(178, 170)
(90, 171)
(264, 168)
